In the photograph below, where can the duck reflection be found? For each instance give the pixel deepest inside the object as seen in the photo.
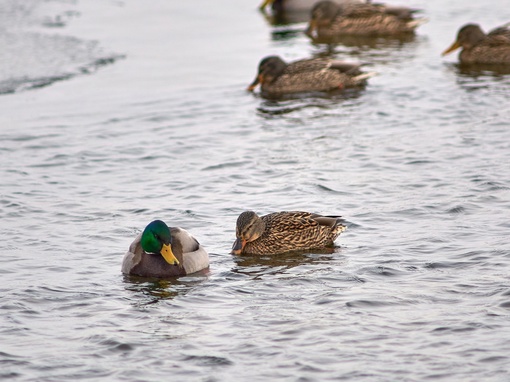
(275, 106)
(482, 70)
(261, 265)
(153, 290)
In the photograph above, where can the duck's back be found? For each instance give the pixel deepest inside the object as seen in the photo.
(493, 49)
(486, 54)
(195, 257)
(312, 81)
(374, 24)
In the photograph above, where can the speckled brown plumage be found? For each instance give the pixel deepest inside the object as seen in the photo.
(297, 5)
(480, 48)
(276, 77)
(281, 232)
(329, 19)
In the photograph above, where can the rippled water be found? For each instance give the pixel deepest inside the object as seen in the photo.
(419, 285)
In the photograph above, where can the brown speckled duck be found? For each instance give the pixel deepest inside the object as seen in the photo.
(329, 19)
(276, 77)
(480, 48)
(160, 251)
(282, 232)
(297, 5)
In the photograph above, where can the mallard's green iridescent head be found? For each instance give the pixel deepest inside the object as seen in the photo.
(156, 238)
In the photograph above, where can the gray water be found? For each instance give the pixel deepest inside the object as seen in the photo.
(115, 113)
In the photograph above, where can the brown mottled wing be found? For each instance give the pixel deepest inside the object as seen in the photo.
(494, 49)
(499, 36)
(376, 24)
(350, 68)
(360, 10)
(501, 31)
(293, 229)
(368, 10)
(316, 81)
(403, 13)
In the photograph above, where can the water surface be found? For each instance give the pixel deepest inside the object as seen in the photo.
(145, 115)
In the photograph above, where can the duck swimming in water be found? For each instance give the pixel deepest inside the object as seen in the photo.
(329, 19)
(160, 251)
(276, 77)
(282, 232)
(480, 48)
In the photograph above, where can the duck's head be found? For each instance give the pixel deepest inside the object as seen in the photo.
(249, 227)
(322, 15)
(467, 37)
(269, 69)
(156, 238)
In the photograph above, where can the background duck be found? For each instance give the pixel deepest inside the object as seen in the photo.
(329, 19)
(281, 232)
(480, 48)
(160, 251)
(297, 5)
(276, 77)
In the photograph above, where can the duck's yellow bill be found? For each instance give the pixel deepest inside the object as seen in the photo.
(452, 47)
(168, 255)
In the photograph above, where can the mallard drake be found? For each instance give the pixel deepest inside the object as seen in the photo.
(160, 251)
(329, 20)
(276, 77)
(480, 48)
(281, 232)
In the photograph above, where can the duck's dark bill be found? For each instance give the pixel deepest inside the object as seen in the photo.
(237, 247)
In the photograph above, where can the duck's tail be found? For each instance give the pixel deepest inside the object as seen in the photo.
(363, 77)
(413, 24)
(338, 228)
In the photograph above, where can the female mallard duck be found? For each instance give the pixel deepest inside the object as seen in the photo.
(480, 48)
(329, 19)
(160, 251)
(276, 77)
(281, 232)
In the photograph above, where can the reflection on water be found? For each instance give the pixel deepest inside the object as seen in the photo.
(494, 78)
(314, 102)
(154, 290)
(479, 70)
(371, 50)
(286, 33)
(418, 159)
(279, 104)
(262, 265)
